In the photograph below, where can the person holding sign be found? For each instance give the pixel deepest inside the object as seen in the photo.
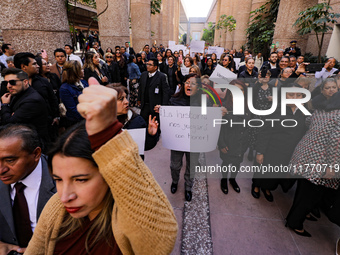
(189, 95)
(132, 120)
(108, 201)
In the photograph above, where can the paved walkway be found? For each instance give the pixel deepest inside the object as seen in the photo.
(214, 223)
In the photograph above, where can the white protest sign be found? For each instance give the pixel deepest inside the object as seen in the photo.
(222, 75)
(184, 128)
(217, 50)
(178, 47)
(171, 44)
(197, 46)
(138, 135)
(237, 62)
(185, 70)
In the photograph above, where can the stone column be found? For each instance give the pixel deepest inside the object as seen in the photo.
(33, 25)
(156, 27)
(284, 30)
(241, 14)
(218, 32)
(165, 21)
(176, 21)
(140, 23)
(113, 23)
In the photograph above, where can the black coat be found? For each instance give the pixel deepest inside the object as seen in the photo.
(277, 143)
(296, 54)
(45, 89)
(235, 137)
(89, 73)
(174, 83)
(158, 81)
(114, 72)
(30, 108)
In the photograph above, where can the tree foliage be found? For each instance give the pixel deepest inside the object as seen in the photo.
(227, 23)
(209, 33)
(261, 27)
(317, 19)
(156, 6)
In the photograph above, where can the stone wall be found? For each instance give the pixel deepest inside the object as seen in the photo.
(34, 25)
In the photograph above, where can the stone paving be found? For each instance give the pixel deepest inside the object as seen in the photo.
(214, 223)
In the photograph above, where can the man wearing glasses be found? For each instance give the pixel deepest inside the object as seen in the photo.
(23, 104)
(153, 90)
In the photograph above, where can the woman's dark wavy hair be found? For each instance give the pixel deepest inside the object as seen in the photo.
(73, 143)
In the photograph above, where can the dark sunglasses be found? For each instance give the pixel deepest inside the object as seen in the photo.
(109, 57)
(12, 82)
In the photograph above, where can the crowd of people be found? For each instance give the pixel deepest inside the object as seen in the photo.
(74, 110)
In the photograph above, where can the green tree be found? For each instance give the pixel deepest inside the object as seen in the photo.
(261, 27)
(317, 19)
(183, 39)
(155, 6)
(227, 23)
(209, 33)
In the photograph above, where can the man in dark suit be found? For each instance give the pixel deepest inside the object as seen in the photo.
(129, 49)
(23, 104)
(293, 50)
(153, 90)
(25, 186)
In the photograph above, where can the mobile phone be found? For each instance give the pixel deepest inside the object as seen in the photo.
(180, 58)
(43, 54)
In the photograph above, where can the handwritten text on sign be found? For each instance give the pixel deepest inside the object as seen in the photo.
(184, 128)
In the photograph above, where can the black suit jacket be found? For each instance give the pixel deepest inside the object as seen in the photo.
(132, 51)
(27, 108)
(47, 189)
(89, 73)
(158, 81)
(172, 86)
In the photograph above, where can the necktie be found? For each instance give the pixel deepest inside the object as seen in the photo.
(21, 216)
(68, 58)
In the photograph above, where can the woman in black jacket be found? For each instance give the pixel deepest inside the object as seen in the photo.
(120, 60)
(93, 68)
(249, 76)
(233, 140)
(189, 95)
(275, 145)
(209, 67)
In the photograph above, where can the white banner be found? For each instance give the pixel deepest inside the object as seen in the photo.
(217, 50)
(184, 128)
(222, 75)
(197, 46)
(138, 135)
(185, 70)
(171, 44)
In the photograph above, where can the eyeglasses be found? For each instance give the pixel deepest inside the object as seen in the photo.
(12, 82)
(149, 64)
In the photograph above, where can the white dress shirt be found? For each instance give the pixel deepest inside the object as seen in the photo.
(3, 58)
(74, 57)
(31, 192)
